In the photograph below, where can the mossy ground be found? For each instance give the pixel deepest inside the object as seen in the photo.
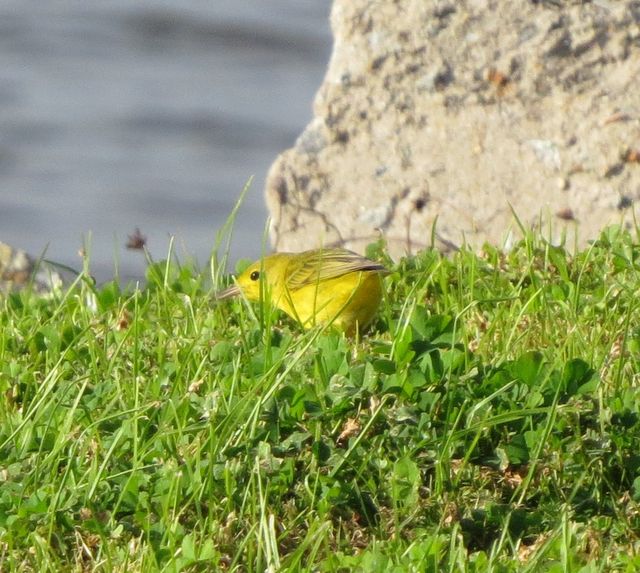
(487, 422)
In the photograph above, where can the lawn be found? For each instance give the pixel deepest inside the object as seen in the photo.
(488, 421)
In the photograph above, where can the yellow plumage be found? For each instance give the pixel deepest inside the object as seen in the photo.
(321, 286)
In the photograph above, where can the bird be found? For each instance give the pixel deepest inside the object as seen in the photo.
(331, 286)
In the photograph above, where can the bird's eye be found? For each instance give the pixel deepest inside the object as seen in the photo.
(254, 276)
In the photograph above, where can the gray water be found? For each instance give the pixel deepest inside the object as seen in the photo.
(152, 114)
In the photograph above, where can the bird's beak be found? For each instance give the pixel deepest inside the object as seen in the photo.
(229, 292)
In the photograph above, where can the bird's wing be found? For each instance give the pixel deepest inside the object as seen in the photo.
(328, 264)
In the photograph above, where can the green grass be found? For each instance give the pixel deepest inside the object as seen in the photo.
(488, 422)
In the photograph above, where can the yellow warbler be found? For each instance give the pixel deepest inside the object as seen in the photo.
(321, 286)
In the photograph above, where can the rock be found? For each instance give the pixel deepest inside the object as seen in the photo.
(19, 271)
(453, 113)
